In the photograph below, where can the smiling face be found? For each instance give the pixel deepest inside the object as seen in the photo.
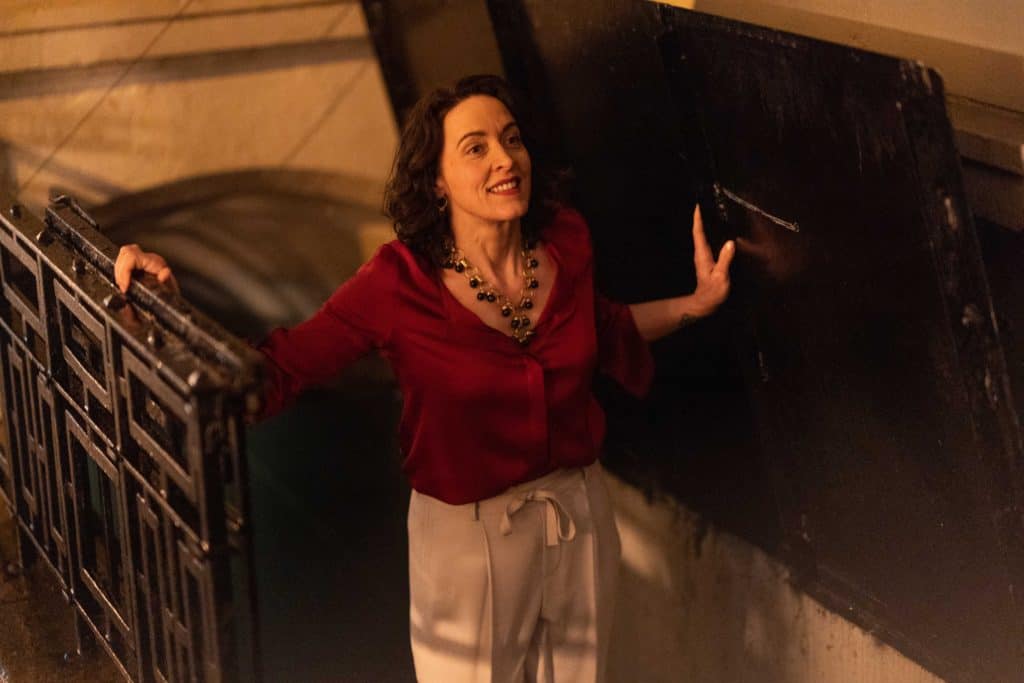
(485, 168)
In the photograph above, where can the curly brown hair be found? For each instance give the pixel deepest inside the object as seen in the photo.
(409, 197)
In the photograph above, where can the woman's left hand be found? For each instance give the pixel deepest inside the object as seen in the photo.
(712, 276)
(655, 319)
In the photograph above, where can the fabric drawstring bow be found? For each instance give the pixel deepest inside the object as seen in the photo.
(555, 516)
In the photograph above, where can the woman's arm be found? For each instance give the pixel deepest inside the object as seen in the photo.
(655, 319)
(355, 319)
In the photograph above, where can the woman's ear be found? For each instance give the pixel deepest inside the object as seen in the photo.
(440, 187)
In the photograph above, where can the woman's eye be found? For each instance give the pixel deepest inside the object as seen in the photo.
(474, 149)
(514, 140)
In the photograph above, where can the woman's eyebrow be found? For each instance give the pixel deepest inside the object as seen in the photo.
(510, 124)
(469, 135)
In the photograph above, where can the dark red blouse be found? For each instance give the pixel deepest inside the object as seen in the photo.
(480, 413)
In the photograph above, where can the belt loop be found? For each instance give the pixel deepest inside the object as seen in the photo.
(476, 511)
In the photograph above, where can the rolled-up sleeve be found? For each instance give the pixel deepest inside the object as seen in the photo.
(622, 353)
(354, 320)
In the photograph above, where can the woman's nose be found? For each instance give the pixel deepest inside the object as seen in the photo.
(501, 158)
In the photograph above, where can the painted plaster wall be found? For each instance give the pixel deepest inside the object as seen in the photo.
(104, 98)
(993, 24)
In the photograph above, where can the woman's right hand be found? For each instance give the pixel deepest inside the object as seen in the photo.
(132, 258)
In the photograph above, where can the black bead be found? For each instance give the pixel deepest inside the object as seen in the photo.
(474, 283)
(492, 298)
(480, 296)
(448, 265)
(534, 284)
(515, 323)
(528, 304)
(506, 311)
(534, 263)
(526, 321)
(459, 267)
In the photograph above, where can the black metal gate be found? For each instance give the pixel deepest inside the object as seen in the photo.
(125, 467)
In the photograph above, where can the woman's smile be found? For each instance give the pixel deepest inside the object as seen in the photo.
(508, 187)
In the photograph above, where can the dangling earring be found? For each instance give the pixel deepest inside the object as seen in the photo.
(442, 204)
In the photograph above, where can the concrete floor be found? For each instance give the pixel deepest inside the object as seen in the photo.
(36, 628)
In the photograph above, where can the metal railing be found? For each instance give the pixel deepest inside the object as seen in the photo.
(126, 461)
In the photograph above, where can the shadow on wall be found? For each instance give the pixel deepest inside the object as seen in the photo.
(700, 605)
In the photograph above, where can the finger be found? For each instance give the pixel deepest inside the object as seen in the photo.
(702, 257)
(725, 258)
(123, 266)
(150, 263)
(119, 275)
(166, 277)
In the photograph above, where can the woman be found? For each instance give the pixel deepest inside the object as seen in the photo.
(486, 309)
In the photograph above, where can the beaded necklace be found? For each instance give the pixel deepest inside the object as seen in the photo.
(487, 293)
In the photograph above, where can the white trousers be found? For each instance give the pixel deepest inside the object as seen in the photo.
(519, 587)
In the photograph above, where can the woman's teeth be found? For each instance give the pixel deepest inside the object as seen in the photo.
(510, 185)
